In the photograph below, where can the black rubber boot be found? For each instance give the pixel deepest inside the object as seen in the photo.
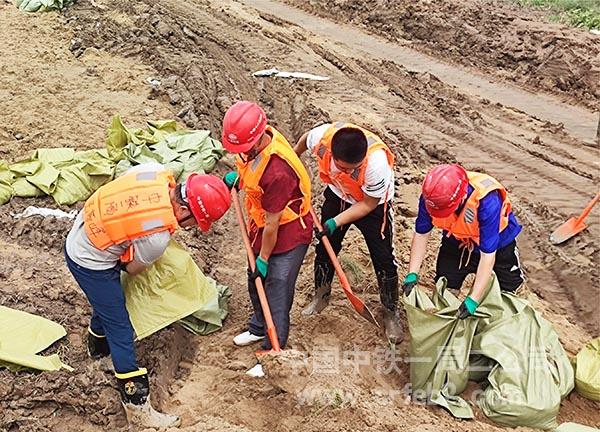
(97, 346)
(323, 278)
(135, 395)
(388, 292)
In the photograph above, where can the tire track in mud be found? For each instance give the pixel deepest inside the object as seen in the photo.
(548, 169)
(579, 122)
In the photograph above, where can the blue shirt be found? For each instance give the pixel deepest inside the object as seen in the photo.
(488, 215)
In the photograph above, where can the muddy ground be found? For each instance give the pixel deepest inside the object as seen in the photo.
(94, 60)
(509, 42)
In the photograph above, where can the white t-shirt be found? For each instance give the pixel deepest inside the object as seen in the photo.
(146, 249)
(379, 176)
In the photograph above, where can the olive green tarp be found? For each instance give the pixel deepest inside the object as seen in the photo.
(507, 345)
(42, 5)
(174, 288)
(70, 176)
(587, 370)
(23, 335)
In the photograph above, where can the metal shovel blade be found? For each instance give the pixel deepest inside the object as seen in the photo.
(567, 230)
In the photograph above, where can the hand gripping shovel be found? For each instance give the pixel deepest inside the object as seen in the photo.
(271, 331)
(358, 304)
(574, 225)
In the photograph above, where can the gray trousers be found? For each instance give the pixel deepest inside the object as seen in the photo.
(279, 288)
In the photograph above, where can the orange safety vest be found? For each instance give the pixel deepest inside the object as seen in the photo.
(129, 207)
(465, 226)
(350, 184)
(251, 172)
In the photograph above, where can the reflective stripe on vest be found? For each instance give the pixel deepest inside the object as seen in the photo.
(465, 226)
(130, 207)
(350, 184)
(252, 171)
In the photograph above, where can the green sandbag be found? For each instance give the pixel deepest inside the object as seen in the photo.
(22, 188)
(587, 370)
(441, 344)
(42, 5)
(209, 318)
(172, 288)
(22, 335)
(532, 374)
(180, 151)
(6, 193)
(6, 179)
(523, 389)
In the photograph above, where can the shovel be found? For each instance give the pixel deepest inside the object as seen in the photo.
(574, 225)
(271, 331)
(358, 304)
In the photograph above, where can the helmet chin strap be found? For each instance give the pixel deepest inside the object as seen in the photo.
(185, 201)
(250, 155)
(185, 219)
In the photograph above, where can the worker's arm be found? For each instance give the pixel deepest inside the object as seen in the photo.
(489, 238)
(135, 267)
(147, 250)
(301, 146)
(269, 235)
(483, 275)
(418, 247)
(418, 250)
(357, 211)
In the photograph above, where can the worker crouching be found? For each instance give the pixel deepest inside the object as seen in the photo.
(126, 225)
(480, 230)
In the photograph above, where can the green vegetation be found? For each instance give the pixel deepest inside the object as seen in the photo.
(579, 13)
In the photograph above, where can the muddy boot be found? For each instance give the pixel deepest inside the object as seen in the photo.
(393, 327)
(388, 292)
(319, 301)
(136, 401)
(97, 345)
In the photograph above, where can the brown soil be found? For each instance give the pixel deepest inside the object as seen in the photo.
(510, 42)
(203, 52)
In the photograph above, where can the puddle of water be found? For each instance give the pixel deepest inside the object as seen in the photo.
(579, 122)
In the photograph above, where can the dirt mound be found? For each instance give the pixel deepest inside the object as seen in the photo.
(517, 44)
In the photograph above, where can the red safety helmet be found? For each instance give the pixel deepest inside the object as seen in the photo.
(243, 125)
(208, 198)
(444, 188)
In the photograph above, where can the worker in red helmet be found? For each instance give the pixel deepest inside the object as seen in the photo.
(126, 225)
(277, 199)
(480, 230)
(358, 169)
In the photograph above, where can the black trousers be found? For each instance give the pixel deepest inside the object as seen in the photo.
(507, 266)
(380, 249)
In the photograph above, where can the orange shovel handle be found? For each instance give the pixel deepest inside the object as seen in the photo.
(264, 303)
(586, 211)
(334, 260)
(356, 302)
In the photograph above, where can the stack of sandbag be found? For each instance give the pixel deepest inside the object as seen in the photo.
(507, 346)
(181, 151)
(70, 176)
(63, 173)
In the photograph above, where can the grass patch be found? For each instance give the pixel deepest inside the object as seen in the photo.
(353, 270)
(578, 13)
